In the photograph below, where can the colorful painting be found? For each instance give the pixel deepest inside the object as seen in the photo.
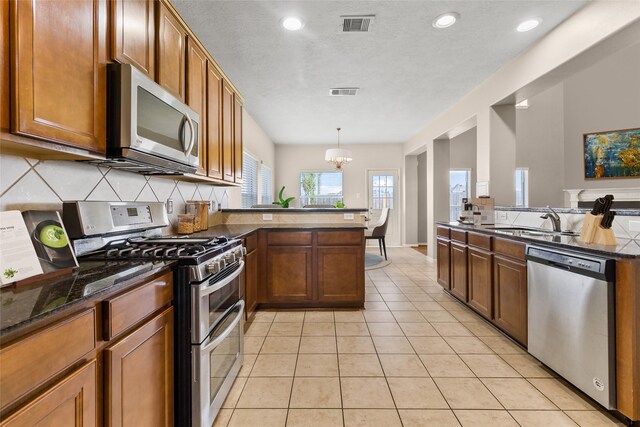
(614, 154)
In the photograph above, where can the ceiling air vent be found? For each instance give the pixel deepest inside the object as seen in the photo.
(344, 91)
(357, 23)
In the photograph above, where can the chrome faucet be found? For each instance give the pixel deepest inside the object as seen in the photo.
(554, 217)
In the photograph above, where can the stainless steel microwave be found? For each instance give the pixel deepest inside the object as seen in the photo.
(148, 129)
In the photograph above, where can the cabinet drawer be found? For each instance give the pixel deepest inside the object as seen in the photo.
(459, 236)
(251, 242)
(289, 238)
(479, 240)
(346, 237)
(32, 361)
(125, 310)
(443, 232)
(509, 248)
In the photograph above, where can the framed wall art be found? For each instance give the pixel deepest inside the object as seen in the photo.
(612, 154)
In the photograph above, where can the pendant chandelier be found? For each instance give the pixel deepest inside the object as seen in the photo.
(338, 156)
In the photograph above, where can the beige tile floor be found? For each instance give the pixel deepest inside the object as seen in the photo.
(413, 357)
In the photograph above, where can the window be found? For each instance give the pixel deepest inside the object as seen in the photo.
(320, 188)
(382, 191)
(522, 187)
(267, 191)
(459, 188)
(249, 180)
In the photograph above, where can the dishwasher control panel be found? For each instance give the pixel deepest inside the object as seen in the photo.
(583, 263)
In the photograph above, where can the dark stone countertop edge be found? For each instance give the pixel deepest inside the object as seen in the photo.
(295, 210)
(596, 250)
(237, 231)
(619, 212)
(13, 332)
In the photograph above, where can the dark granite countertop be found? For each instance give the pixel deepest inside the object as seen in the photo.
(22, 306)
(626, 248)
(619, 212)
(234, 231)
(294, 210)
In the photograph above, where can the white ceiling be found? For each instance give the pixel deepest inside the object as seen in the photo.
(408, 71)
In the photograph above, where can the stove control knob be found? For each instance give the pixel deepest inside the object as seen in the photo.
(230, 258)
(213, 267)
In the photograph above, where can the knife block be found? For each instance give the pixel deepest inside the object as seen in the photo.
(593, 233)
(589, 227)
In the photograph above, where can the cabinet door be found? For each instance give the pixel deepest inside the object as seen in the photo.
(227, 133)
(139, 376)
(251, 282)
(289, 273)
(133, 34)
(70, 402)
(171, 52)
(59, 71)
(340, 273)
(197, 96)
(510, 297)
(5, 117)
(480, 281)
(443, 263)
(214, 121)
(459, 271)
(237, 138)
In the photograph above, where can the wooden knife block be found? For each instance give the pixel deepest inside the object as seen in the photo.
(593, 233)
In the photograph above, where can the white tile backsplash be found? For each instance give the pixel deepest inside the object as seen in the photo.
(45, 184)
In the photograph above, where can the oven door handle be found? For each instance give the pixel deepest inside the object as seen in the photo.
(204, 290)
(206, 348)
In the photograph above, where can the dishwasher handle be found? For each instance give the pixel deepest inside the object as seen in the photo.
(575, 262)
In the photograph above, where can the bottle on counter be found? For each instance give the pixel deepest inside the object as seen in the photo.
(477, 218)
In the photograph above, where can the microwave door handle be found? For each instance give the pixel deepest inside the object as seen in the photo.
(192, 138)
(216, 342)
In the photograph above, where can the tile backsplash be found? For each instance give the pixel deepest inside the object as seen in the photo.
(44, 184)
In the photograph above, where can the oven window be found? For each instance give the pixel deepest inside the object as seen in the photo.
(161, 123)
(224, 356)
(222, 299)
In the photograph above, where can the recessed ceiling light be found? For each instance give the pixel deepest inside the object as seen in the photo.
(445, 20)
(292, 23)
(528, 25)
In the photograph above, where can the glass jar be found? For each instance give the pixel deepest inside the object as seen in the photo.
(193, 207)
(204, 215)
(186, 223)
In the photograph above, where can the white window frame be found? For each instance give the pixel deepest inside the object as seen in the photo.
(524, 187)
(246, 202)
(266, 192)
(458, 207)
(319, 202)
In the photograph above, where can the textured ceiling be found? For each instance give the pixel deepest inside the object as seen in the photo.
(408, 71)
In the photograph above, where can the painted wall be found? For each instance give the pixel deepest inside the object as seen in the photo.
(291, 159)
(540, 146)
(422, 199)
(591, 25)
(411, 196)
(605, 96)
(462, 155)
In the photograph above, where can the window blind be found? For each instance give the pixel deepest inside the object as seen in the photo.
(267, 189)
(249, 180)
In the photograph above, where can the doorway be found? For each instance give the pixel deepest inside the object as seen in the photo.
(382, 192)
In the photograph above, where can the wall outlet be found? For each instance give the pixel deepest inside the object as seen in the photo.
(169, 206)
(267, 217)
(348, 216)
(634, 225)
(502, 215)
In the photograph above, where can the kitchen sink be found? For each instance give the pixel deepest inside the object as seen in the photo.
(530, 231)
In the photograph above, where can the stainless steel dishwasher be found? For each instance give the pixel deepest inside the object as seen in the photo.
(571, 318)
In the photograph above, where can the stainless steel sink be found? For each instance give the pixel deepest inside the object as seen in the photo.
(530, 231)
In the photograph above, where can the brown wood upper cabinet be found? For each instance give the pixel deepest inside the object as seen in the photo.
(59, 72)
(237, 138)
(228, 108)
(133, 34)
(197, 96)
(171, 40)
(214, 121)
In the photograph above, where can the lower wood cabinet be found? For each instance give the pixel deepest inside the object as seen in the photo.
(70, 402)
(510, 297)
(459, 271)
(139, 375)
(289, 273)
(340, 273)
(251, 282)
(480, 266)
(443, 253)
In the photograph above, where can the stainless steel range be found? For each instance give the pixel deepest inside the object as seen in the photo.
(208, 299)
